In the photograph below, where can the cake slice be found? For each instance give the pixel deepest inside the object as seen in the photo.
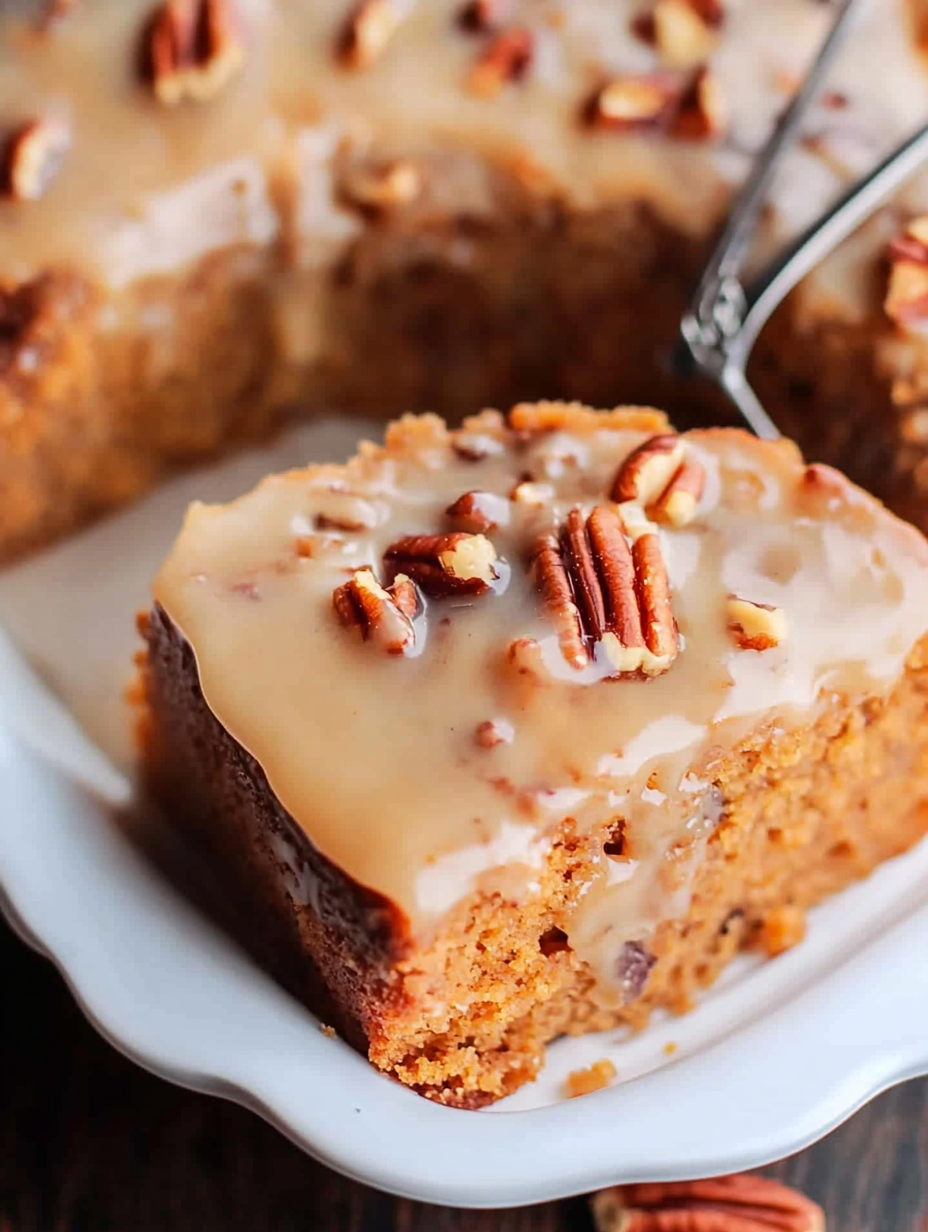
(529, 727)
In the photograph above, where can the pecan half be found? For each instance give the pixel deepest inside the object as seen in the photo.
(505, 59)
(660, 476)
(479, 511)
(32, 157)
(738, 1203)
(454, 564)
(369, 28)
(381, 615)
(755, 626)
(602, 592)
(630, 103)
(647, 470)
(191, 49)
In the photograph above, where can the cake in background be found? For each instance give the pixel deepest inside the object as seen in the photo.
(215, 210)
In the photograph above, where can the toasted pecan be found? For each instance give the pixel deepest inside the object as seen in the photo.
(191, 49)
(739, 1203)
(601, 591)
(383, 615)
(444, 565)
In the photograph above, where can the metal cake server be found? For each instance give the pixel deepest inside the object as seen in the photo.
(724, 317)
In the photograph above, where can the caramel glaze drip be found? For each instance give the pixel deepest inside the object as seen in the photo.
(256, 141)
(430, 713)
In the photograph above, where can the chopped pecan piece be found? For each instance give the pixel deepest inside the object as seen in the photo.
(479, 511)
(524, 658)
(755, 626)
(647, 470)
(685, 31)
(344, 511)
(454, 564)
(661, 477)
(192, 48)
(628, 103)
(369, 28)
(725, 1204)
(602, 592)
(505, 59)
(32, 157)
(530, 493)
(381, 615)
(492, 732)
(701, 114)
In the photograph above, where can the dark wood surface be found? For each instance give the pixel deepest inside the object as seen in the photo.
(90, 1143)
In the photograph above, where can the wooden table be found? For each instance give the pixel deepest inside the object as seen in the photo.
(90, 1143)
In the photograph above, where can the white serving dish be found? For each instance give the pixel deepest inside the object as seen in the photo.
(777, 1055)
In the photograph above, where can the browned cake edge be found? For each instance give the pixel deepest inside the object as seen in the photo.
(801, 818)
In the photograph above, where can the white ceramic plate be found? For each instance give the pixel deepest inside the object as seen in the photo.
(776, 1056)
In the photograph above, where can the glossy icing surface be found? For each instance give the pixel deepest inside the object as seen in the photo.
(384, 758)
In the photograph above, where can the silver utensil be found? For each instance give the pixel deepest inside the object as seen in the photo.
(724, 317)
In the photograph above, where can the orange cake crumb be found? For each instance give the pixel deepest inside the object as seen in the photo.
(594, 1078)
(783, 927)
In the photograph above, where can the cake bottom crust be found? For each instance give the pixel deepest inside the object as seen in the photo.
(465, 1019)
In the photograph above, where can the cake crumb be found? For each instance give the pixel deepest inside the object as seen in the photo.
(585, 1081)
(327, 1030)
(783, 928)
(670, 1048)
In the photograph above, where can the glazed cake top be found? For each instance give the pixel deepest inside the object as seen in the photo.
(440, 651)
(170, 129)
